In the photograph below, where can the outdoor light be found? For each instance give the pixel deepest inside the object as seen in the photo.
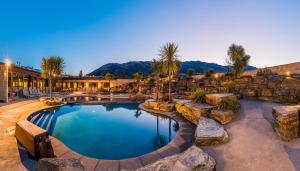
(216, 76)
(288, 74)
(7, 62)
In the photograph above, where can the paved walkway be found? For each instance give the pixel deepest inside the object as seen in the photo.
(253, 145)
(11, 156)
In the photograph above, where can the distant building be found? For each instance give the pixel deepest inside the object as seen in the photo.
(89, 84)
(14, 79)
(17, 81)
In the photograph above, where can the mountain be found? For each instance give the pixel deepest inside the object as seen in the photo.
(128, 69)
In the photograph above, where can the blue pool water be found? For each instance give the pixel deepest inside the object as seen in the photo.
(107, 131)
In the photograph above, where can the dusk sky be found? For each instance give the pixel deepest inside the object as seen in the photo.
(88, 34)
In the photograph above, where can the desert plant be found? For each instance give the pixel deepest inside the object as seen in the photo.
(237, 59)
(52, 66)
(228, 104)
(157, 70)
(264, 72)
(198, 96)
(138, 78)
(170, 62)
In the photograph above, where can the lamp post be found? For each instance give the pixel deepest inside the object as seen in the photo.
(7, 63)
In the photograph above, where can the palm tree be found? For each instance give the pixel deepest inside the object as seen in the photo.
(170, 61)
(237, 59)
(52, 66)
(156, 70)
(138, 77)
(109, 77)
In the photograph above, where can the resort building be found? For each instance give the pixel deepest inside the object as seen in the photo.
(17, 81)
(89, 84)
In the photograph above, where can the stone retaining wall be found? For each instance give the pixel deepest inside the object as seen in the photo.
(286, 119)
(273, 87)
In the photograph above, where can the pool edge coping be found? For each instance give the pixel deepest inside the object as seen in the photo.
(180, 143)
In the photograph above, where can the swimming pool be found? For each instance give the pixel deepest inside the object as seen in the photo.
(107, 131)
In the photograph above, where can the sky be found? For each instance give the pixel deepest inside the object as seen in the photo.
(90, 33)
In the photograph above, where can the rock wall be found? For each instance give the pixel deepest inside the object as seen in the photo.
(274, 87)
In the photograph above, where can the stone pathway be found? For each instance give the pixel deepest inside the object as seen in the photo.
(254, 145)
(11, 156)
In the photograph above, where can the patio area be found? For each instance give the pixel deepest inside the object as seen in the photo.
(253, 143)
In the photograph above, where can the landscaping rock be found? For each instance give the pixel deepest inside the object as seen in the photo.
(214, 99)
(222, 116)
(193, 159)
(193, 111)
(57, 164)
(266, 93)
(286, 120)
(10, 130)
(163, 106)
(209, 132)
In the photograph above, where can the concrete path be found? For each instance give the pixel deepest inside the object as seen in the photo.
(12, 157)
(253, 145)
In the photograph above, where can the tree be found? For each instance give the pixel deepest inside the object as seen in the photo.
(191, 72)
(237, 59)
(208, 73)
(52, 66)
(170, 62)
(109, 77)
(156, 70)
(80, 73)
(138, 77)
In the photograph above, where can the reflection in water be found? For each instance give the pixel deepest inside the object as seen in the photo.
(159, 140)
(138, 113)
(112, 106)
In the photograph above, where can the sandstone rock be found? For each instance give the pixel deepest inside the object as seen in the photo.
(10, 130)
(250, 93)
(209, 132)
(222, 116)
(57, 164)
(163, 106)
(291, 83)
(193, 111)
(166, 107)
(193, 159)
(214, 99)
(266, 92)
(286, 120)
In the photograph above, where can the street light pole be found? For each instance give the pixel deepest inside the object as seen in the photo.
(6, 87)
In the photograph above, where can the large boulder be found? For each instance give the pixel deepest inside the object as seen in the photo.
(57, 164)
(209, 132)
(286, 120)
(193, 159)
(163, 106)
(193, 111)
(222, 116)
(214, 99)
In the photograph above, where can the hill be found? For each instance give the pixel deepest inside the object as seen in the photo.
(129, 68)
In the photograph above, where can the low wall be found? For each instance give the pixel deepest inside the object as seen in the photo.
(274, 87)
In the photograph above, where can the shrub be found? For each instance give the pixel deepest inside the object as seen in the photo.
(198, 96)
(228, 104)
(208, 73)
(264, 72)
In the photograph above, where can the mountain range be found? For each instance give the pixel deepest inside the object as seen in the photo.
(127, 69)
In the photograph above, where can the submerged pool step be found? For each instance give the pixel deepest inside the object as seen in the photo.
(38, 119)
(45, 121)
